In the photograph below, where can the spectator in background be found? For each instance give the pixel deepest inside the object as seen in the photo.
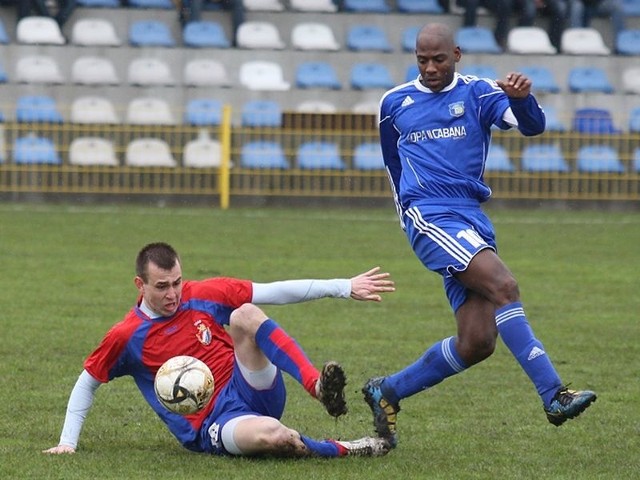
(501, 9)
(556, 10)
(59, 10)
(583, 11)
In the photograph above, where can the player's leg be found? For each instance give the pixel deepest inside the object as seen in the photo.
(259, 341)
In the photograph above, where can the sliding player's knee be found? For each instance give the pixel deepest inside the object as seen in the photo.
(246, 319)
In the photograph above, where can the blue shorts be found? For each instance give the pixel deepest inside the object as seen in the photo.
(238, 398)
(446, 237)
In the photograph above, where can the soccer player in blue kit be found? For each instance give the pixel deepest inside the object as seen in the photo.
(217, 320)
(435, 133)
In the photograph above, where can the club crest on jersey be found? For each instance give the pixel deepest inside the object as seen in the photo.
(203, 333)
(456, 109)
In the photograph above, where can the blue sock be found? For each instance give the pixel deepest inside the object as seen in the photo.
(519, 338)
(323, 448)
(439, 362)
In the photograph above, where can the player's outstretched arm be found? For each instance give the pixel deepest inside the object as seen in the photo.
(515, 85)
(368, 285)
(57, 450)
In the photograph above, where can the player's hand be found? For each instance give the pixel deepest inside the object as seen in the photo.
(368, 285)
(60, 449)
(515, 85)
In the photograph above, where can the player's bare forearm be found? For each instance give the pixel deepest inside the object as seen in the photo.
(369, 285)
(57, 450)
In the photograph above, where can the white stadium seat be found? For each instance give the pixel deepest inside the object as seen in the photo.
(149, 111)
(149, 72)
(529, 40)
(91, 109)
(98, 32)
(205, 72)
(259, 35)
(94, 71)
(149, 152)
(316, 106)
(583, 41)
(92, 151)
(38, 69)
(263, 75)
(263, 5)
(39, 31)
(202, 152)
(313, 36)
(313, 5)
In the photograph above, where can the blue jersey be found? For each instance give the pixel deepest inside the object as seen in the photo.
(435, 144)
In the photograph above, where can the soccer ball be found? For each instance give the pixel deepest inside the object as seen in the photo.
(184, 385)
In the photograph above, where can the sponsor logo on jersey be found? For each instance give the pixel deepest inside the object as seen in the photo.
(456, 109)
(407, 101)
(438, 133)
(203, 334)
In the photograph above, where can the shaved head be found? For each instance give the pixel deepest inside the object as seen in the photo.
(433, 31)
(437, 55)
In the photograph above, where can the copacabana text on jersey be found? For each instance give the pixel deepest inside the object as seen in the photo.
(436, 133)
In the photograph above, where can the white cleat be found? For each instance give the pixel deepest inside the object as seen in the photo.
(367, 446)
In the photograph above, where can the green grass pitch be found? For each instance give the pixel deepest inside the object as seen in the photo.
(67, 276)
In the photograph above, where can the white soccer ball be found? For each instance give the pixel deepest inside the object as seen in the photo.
(184, 385)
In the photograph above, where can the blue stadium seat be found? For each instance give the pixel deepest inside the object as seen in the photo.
(3, 74)
(412, 73)
(32, 149)
(589, 79)
(628, 42)
(636, 160)
(408, 39)
(594, 121)
(477, 40)
(542, 78)
(261, 113)
(554, 123)
(317, 75)
(160, 4)
(203, 111)
(545, 157)
(631, 8)
(419, 6)
(99, 3)
(599, 159)
(634, 120)
(4, 37)
(150, 33)
(368, 38)
(37, 109)
(498, 160)
(263, 154)
(205, 34)
(319, 155)
(479, 70)
(368, 156)
(370, 75)
(373, 6)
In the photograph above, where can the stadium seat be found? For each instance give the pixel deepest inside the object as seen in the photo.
(634, 120)
(479, 70)
(150, 33)
(38, 69)
(628, 42)
(419, 6)
(317, 75)
(203, 112)
(316, 106)
(259, 35)
(4, 37)
(262, 5)
(554, 122)
(94, 32)
(149, 72)
(529, 41)
(366, 107)
(589, 79)
(313, 5)
(411, 73)
(546, 157)
(32, 149)
(100, 3)
(598, 159)
(94, 71)
(631, 8)
(92, 109)
(498, 160)
(369, 6)
(370, 75)
(39, 31)
(263, 154)
(261, 113)
(594, 121)
(205, 34)
(152, 4)
(263, 75)
(92, 151)
(631, 80)
(541, 77)
(583, 41)
(313, 36)
(368, 156)
(477, 40)
(149, 111)
(319, 155)
(636, 160)
(4, 78)
(202, 152)
(408, 40)
(368, 38)
(149, 152)
(37, 109)
(205, 72)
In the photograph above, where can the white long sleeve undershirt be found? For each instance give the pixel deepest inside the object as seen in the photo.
(80, 402)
